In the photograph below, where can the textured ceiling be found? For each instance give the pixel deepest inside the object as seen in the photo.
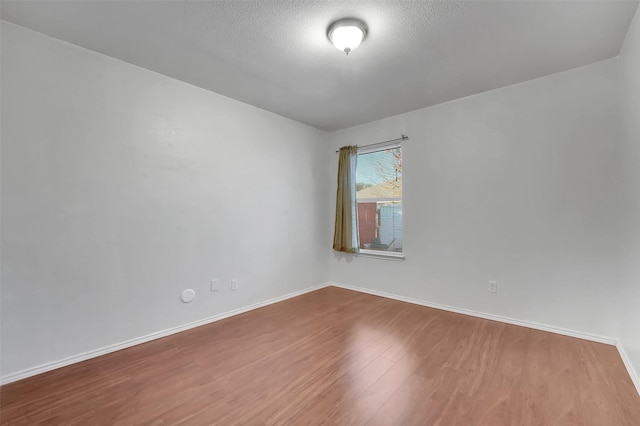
(275, 54)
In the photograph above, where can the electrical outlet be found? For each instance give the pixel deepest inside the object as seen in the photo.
(493, 286)
(234, 284)
(214, 285)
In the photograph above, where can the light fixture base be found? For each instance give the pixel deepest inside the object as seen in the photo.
(347, 34)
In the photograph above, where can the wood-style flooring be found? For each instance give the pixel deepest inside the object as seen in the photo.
(338, 357)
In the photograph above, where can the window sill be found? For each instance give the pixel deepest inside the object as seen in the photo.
(386, 255)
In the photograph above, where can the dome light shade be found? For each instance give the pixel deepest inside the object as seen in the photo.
(347, 34)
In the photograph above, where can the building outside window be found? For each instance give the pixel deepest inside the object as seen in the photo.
(379, 199)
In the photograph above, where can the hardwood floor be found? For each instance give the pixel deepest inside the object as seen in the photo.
(338, 357)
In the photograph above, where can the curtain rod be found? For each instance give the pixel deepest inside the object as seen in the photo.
(401, 138)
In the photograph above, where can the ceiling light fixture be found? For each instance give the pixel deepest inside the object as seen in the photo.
(347, 34)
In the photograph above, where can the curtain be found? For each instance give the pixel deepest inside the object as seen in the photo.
(345, 237)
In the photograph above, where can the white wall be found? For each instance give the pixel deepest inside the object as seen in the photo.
(121, 187)
(518, 185)
(630, 155)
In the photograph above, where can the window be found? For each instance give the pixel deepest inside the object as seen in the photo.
(379, 200)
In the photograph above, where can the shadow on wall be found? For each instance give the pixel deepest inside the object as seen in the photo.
(338, 255)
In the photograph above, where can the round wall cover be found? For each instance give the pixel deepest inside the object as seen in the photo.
(188, 295)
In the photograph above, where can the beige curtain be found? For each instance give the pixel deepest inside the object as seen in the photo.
(345, 237)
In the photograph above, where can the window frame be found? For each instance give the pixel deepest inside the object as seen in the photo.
(387, 255)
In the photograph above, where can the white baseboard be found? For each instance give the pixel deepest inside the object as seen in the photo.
(500, 318)
(627, 363)
(23, 374)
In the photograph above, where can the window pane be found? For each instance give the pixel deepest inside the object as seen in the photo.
(379, 197)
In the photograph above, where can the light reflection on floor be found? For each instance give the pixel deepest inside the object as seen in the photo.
(378, 360)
